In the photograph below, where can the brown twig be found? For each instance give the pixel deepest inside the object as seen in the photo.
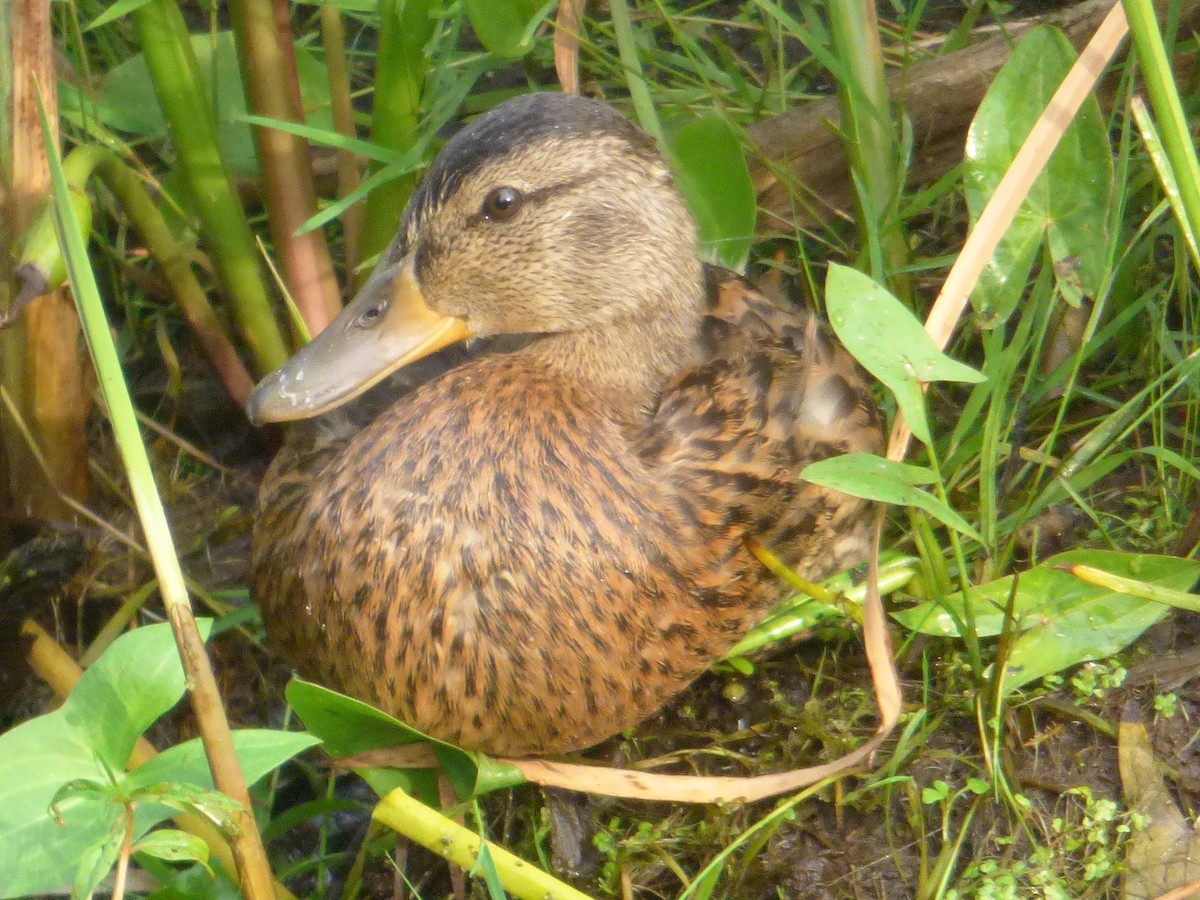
(1010, 193)
(349, 166)
(41, 365)
(567, 25)
(800, 171)
(264, 51)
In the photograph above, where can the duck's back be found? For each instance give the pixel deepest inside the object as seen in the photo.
(774, 393)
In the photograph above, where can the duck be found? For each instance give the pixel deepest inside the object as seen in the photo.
(539, 537)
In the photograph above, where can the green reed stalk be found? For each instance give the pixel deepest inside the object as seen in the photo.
(173, 69)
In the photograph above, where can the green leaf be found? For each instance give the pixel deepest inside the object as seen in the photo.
(709, 163)
(173, 846)
(506, 27)
(890, 343)
(114, 12)
(349, 726)
(128, 102)
(326, 137)
(875, 478)
(485, 867)
(89, 737)
(259, 751)
(134, 683)
(97, 860)
(184, 768)
(191, 799)
(1068, 202)
(1065, 621)
(92, 734)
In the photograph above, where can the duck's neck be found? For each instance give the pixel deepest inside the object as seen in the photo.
(625, 365)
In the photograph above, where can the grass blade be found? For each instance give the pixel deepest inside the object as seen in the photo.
(253, 868)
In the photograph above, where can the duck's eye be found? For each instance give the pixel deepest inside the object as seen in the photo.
(370, 315)
(502, 204)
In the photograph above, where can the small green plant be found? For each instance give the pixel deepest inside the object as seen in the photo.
(1080, 853)
(1093, 680)
(1166, 704)
(938, 793)
(70, 809)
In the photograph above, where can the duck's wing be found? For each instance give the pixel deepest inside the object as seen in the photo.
(774, 393)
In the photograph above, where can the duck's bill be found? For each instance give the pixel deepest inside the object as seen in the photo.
(386, 327)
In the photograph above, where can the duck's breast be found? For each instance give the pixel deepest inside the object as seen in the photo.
(491, 561)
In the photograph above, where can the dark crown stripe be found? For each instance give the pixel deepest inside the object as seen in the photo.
(520, 122)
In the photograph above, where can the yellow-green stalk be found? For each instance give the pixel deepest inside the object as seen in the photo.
(167, 49)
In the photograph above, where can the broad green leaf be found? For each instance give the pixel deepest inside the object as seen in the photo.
(91, 735)
(185, 767)
(97, 860)
(36, 758)
(173, 845)
(128, 102)
(1067, 204)
(710, 168)
(876, 478)
(259, 751)
(886, 338)
(126, 691)
(349, 726)
(506, 27)
(88, 739)
(1065, 621)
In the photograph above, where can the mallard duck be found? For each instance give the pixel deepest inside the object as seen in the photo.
(527, 552)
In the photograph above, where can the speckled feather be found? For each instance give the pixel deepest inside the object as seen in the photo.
(516, 557)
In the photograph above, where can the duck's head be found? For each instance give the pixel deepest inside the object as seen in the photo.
(549, 215)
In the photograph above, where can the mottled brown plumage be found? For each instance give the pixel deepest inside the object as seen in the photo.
(529, 551)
